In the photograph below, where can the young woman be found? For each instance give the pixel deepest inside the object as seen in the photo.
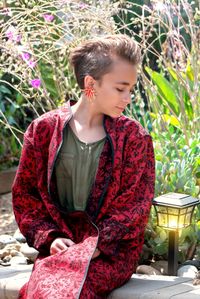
(85, 182)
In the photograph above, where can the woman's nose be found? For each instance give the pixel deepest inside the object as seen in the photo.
(127, 98)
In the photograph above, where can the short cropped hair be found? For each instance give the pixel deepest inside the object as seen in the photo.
(95, 57)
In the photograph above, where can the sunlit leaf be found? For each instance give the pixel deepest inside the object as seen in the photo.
(173, 74)
(189, 72)
(165, 89)
(170, 119)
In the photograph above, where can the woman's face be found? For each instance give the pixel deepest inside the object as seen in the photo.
(113, 91)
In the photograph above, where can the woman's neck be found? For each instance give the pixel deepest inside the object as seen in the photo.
(87, 123)
(86, 115)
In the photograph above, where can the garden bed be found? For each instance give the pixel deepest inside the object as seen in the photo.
(6, 179)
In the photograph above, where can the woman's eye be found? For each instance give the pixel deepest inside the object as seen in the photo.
(120, 90)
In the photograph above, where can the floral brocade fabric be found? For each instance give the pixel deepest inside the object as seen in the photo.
(61, 275)
(115, 217)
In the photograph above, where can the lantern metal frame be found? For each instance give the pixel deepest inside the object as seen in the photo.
(164, 206)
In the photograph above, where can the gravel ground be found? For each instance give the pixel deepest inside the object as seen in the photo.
(8, 224)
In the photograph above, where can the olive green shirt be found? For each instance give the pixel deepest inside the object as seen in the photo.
(76, 168)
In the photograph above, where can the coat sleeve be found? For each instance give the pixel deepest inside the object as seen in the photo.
(32, 216)
(127, 216)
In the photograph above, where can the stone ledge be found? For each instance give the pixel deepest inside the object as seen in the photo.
(139, 287)
(12, 279)
(157, 287)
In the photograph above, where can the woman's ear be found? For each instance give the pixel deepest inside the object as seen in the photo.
(88, 81)
(89, 90)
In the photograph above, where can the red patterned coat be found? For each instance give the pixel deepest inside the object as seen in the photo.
(115, 218)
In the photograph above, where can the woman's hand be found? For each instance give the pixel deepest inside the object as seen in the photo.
(96, 253)
(60, 244)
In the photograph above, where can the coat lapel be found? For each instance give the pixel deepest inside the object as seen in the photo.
(65, 114)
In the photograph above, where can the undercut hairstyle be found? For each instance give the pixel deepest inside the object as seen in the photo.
(96, 57)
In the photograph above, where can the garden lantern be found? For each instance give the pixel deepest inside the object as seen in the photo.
(174, 211)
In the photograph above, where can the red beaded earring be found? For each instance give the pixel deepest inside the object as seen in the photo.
(89, 92)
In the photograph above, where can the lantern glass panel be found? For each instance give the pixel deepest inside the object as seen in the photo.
(181, 221)
(160, 209)
(173, 221)
(190, 209)
(172, 211)
(188, 219)
(162, 220)
(183, 211)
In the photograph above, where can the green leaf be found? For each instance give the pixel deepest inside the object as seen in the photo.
(170, 119)
(161, 248)
(165, 90)
(173, 74)
(19, 99)
(5, 90)
(189, 72)
(2, 106)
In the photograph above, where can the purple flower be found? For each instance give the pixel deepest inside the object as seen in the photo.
(48, 17)
(9, 34)
(17, 38)
(31, 63)
(12, 34)
(36, 83)
(25, 56)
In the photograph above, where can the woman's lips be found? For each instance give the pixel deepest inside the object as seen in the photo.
(121, 108)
